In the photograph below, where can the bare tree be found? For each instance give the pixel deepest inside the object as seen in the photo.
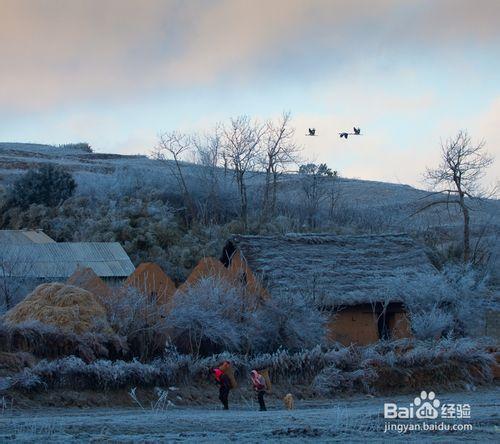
(242, 145)
(209, 155)
(314, 184)
(280, 150)
(170, 148)
(15, 276)
(139, 316)
(457, 179)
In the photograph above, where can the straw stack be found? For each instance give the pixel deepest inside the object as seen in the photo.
(87, 279)
(150, 280)
(64, 306)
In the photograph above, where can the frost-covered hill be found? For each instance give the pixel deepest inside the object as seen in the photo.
(95, 172)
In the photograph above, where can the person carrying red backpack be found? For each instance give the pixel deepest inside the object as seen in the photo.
(259, 385)
(224, 386)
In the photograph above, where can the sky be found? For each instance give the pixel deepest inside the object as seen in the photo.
(116, 73)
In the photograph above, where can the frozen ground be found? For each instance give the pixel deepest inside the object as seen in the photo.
(356, 419)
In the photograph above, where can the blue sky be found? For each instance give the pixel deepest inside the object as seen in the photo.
(115, 73)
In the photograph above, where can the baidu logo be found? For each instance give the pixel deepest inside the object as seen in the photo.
(426, 405)
(425, 409)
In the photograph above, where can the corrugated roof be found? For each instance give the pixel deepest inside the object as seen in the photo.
(23, 237)
(334, 269)
(60, 260)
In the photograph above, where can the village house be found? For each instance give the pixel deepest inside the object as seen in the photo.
(30, 257)
(342, 275)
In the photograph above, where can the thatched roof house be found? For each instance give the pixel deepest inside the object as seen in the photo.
(344, 270)
(346, 274)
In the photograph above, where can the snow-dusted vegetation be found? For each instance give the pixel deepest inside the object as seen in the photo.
(445, 303)
(141, 203)
(174, 213)
(403, 364)
(212, 316)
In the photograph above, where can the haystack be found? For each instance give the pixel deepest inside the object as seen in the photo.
(64, 306)
(87, 279)
(207, 267)
(150, 279)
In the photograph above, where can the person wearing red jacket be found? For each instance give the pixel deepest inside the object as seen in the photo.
(224, 386)
(259, 385)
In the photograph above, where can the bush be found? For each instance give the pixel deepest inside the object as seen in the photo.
(47, 341)
(213, 315)
(49, 185)
(449, 302)
(82, 146)
(402, 365)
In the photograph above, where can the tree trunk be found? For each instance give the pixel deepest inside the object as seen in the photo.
(465, 212)
(243, 197)
(275, 188)
(265, 203)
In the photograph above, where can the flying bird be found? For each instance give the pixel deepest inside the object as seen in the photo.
(312, 132)
(357, 132)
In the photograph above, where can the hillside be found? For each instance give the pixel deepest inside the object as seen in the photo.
(395, 201)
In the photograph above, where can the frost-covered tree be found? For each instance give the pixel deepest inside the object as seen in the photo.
(280, 150)
(242, 147)
(457, 179)
(213, 315)
(171, 147)
(316, 182)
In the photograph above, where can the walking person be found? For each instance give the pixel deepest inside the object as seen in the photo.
(224, 386)
(259, 385)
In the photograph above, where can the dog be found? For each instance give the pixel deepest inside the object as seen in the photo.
(288, 401)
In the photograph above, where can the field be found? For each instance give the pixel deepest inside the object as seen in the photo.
(355, 419)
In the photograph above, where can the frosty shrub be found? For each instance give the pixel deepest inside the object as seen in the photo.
(289, 322)
(82, 146)
(213, 315)
(49, 185)
(48, 341)
(402, 365)
(430, 323)
(208, 316)
(331, 380)
(140, 319)
(438, 303)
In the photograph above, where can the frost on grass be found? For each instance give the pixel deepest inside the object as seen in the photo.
(402, 363)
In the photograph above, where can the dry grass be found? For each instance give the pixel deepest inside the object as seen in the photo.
(383, 367)
(46, 341)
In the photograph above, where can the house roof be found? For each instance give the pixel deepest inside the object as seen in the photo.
(61, 259)
(335, 270)
(24, 237)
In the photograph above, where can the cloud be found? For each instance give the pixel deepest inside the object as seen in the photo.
(60, 53)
